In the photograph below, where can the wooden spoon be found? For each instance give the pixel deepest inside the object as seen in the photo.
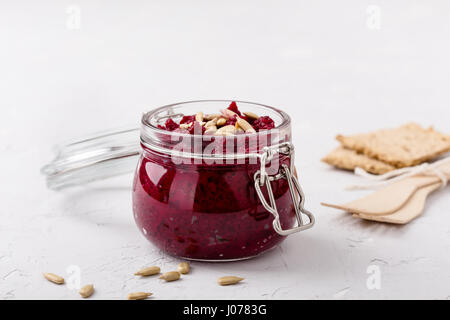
(410, 211)
(389, 199)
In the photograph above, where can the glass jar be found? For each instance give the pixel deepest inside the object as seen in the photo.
(206, 197)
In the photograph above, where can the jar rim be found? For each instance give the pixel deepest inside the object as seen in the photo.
(165, 142)
(148, 115)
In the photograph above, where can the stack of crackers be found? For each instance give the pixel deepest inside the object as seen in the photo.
(385, 150)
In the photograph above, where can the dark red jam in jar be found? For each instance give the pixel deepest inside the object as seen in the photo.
(195, 194)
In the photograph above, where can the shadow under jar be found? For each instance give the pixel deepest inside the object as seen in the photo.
(217, 198)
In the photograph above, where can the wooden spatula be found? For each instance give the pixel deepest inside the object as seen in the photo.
(389, 199)
(408, 212)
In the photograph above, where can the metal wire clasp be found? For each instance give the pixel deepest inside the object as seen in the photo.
(298, 198)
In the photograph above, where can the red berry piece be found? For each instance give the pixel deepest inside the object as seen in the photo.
(197, 128)
(233, 107)
(171, 125)
(263, 123)
(187, 119)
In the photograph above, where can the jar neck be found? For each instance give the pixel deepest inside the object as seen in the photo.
(234, 161)
(213, 147)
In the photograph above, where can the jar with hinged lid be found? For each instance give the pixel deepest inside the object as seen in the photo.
(203, 196)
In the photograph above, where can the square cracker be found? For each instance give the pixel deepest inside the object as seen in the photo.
(349, 160)
(406, 146)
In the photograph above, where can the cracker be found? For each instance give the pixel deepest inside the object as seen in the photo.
(406, 146)
(349, 160)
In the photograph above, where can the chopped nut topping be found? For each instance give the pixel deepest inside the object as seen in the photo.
(230, 121)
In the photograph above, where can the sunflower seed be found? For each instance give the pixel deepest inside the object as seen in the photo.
(86, 291)
(211, 123)
(139, 295)
(170, 276)
(228, 113)
(186, 125)
(230, 129)
(199, 116)
(211, 130)
(53, 278)
(220, 122)
(211, 116)
(247, 127)
(229, 280)
(251, 115)
(149, 271)
(184, 267)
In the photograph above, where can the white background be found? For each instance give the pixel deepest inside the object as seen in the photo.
(329, 64)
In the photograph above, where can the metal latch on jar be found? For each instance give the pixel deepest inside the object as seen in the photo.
(298, 198)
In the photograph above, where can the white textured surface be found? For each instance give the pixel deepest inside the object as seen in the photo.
(317, 60)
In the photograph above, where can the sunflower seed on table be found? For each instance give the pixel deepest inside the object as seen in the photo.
(139, 295)
(229, 280)
(148, 271)
(170, 276)
(86, 291)
(184, 267)
(53, 278)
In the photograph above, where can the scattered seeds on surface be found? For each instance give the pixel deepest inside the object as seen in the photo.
(53, 278)
(149, 271)
(229, 280)
(139, 295)
(184, 267)
(170, 276)
(86, 291)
